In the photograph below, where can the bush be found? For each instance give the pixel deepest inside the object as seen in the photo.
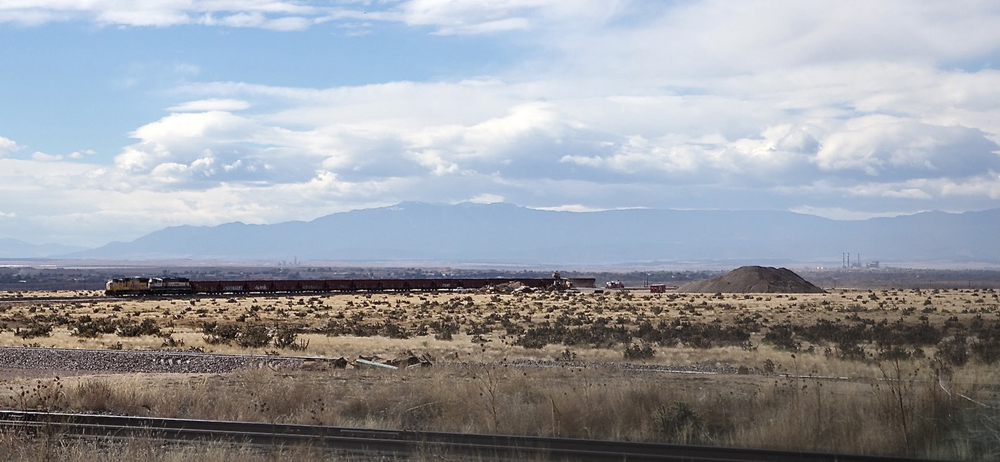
(35, 330)
(287, 337)
(253, 337)
(636, 351)
(954, 351)
(219, 334)
(87, 327)
(133, 329)
(850, 350)
(987, 350)
(781, 337)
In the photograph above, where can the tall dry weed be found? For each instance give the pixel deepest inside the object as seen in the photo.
(783, 412)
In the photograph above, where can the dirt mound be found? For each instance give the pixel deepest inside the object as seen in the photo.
(753, 279)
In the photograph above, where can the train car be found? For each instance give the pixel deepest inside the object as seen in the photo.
(366, 285)
(422, 284)
(218, 287)
(395, 285)
(468, 284)
(206, 287)
(339, 285)
(312, 285)
(284, 286)
(170, 286)
(258, 286)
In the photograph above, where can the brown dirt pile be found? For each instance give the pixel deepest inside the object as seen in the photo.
(753, 279)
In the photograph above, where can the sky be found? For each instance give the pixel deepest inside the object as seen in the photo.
(121, 118)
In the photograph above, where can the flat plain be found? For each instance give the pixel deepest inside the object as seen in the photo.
(898, 372)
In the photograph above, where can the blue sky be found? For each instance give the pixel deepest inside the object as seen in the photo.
(118, 121)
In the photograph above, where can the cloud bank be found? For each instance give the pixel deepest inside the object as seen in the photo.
(847, 110)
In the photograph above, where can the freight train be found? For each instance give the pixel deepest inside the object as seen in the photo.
(121, 287)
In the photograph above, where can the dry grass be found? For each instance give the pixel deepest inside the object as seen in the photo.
(23, 448)
(858, 416)
(418, 317)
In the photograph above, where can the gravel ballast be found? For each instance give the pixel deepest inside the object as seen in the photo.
(122, 361)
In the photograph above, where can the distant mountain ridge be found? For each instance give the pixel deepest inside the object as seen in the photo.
(505, 233)
(14, 248)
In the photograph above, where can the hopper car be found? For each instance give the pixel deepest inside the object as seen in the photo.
(119, 287)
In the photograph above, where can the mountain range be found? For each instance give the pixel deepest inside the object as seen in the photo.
(507, 234)
(14, 248)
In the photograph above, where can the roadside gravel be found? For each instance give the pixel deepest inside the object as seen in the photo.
(158, 361)
(121, 361)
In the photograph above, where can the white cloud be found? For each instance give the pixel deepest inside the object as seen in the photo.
(486, 198)
(266, 14)
(850, 109)
(7, 147)
(43, 157)
(836, 213)
(456, 17)
(446, 142)
(883, 145)
(571, 208)
(695, 41)
(81, 154)
(213, 104)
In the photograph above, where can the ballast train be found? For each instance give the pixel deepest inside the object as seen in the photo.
(119, 287)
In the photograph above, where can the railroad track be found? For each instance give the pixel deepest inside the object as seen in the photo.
(47, 299)
(397, 443)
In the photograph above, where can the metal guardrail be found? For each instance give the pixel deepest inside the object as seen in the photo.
(399, 442)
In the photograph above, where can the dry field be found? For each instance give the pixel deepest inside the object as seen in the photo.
(887, 371)
(680, 328)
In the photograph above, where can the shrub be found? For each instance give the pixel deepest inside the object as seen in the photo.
(636, 351)
(87, 327)
(566, 355)
(134, 329)
(253, 336)
(34, 330)
(781, 337)
(287, 337)
(987, 350)
(679, 423)
(216, 333)
(953, 351)
(851, 351)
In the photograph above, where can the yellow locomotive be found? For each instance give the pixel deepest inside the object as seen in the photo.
(147, 286)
